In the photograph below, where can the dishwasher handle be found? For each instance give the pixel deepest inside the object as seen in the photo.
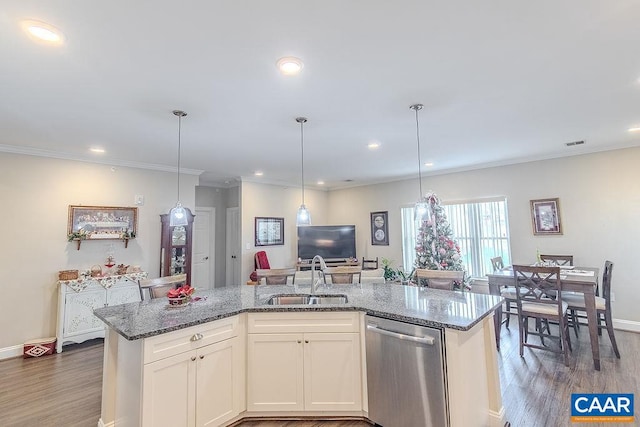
(421, 340)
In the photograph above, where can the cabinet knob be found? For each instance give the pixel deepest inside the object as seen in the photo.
(306, 341)
(299, 342)
(193, 358)
(201, 357)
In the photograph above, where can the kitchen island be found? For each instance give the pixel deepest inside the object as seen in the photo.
(318, 348)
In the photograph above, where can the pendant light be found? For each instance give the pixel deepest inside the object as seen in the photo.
(178, 215)
(422, 209)
(303, 217)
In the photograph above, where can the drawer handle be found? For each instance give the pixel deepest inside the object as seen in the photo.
(197, 337)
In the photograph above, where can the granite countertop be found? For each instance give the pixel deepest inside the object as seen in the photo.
(419, 306)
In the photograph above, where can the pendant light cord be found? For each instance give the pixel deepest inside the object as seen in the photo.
(416, 108)
(302, 121)
(302, 156)
(179, 142)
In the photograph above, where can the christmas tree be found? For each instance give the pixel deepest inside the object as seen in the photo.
(435, 247)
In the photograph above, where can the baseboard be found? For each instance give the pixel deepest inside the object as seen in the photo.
(11, 352)
(496, 419)
(102, 424)
(626, 325)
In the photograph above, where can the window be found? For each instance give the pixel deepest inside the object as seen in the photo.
(479, 226)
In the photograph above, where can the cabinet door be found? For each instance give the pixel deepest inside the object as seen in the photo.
(274, 370)
(123, 293)
(219, 382)
(78, 311)
(332, 372)
(169, 391)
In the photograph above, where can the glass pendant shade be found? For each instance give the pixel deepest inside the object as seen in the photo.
(422, 210)
(303, 217)
(177, 216)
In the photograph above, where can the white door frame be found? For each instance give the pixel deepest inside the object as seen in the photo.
(212, 243)
(233, 264)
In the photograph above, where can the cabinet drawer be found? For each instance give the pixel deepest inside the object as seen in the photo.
(172, 343)
(325, 321)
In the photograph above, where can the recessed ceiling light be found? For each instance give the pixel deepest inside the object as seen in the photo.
(428, 164)
(289, 65)
(42, 31)
(634, 129)
(258, 173)
(373, 145)
(320, 182)
(97, 150)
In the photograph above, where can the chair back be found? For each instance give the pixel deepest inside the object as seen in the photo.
(159, 286)
(369, 264)
(343, 275)
(276, 276)
(538, 285)
(439, 279)
(606, 284)
(261, 260)
(497, 263)
(557, 259)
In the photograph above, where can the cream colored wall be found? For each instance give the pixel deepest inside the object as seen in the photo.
(35, 194)
(263, 200)
(599, 206)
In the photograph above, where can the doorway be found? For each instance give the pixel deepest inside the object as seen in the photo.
(204, 237)
(233, 246)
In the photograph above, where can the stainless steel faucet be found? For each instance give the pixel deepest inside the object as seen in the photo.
(323, 265)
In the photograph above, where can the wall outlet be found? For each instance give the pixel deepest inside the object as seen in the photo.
(138, 200)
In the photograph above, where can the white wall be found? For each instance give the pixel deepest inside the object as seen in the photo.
(263, 200)
(599, 207)
(35, 194)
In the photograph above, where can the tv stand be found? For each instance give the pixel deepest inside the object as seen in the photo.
(331, 262)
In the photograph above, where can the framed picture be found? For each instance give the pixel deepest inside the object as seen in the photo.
(102, 222)
(545, 214)
(269, 231)
(380, 228)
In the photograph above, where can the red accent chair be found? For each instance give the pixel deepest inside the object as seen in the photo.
(261, 261)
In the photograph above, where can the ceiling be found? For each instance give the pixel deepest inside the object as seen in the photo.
(501, 82)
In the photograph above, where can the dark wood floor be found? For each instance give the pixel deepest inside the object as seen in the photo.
(65, 389)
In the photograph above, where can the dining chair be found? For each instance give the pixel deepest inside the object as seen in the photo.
(276, 276)
(439, 279)
(158, 287)
(506, 292)
(539, 296)
(343, 275)
(603, 306)
(369, 264)
(560, 260)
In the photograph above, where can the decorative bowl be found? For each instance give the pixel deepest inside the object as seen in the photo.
(183, 300)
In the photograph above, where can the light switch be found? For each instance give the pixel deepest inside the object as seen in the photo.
(139, 199)
(248, 246)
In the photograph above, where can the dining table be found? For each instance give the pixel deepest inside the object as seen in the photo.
(582, 280)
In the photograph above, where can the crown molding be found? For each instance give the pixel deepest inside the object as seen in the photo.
(28, 151)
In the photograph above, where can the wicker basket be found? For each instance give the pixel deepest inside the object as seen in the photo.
(68, 275)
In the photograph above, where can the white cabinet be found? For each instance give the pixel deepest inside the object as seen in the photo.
(192, 377)
(300, 369)
(78, 298)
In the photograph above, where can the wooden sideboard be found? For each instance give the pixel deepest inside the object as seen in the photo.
(341, 262)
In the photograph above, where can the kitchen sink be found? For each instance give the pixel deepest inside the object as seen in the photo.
(307, 299)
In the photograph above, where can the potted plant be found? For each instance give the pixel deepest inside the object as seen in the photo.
(405, 278)
(389, 273)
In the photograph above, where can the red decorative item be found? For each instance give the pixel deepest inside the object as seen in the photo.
(181, 295)
(41, 347)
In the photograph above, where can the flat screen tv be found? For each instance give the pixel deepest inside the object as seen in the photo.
(328, 241)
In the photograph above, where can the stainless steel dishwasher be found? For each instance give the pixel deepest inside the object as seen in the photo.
(405, 374)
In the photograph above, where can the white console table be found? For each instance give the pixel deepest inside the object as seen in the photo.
(79, 297)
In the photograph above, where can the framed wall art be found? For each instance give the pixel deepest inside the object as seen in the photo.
(269, 231)
(102, 222)
(380, 228)
(545, 214)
